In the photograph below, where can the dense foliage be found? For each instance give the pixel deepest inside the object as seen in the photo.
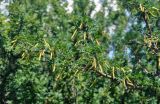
(51, 56)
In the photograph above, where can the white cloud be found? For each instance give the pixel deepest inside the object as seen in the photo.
(3, 7)
(111, 52)
(97, 8)
(111, 29)
(127, 13)
(69, 7)
(113, 5)
(49, 7)
(106, 12)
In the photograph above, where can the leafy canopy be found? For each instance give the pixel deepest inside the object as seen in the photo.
(48, 55)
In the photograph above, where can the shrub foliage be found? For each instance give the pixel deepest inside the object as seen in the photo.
(50, 56)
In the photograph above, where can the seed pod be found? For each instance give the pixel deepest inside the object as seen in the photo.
(76, 72)
(13, 45)
(54, 67)
(131, 84)
(23, 55)
(40, 55)
(113, 74)
(58, 77)
(43, 52)
(97, 42)
(81, 26)
(141, 8)
(84, 36)
(51, 54)
(122, 70)
(128, 79)
(74, 33)
(14, 41)
(124, 83)
(100, 67)
(47, 44)
(94, 64)
(93, 83)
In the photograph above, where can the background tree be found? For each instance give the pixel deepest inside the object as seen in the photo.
(50, 55)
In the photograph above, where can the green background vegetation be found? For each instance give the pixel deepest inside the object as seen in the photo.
(57, 57)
